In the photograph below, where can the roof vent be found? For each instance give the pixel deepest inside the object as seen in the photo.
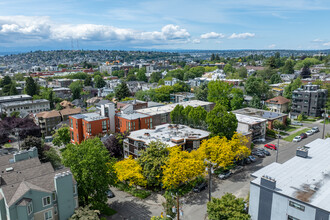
(9, 169)
(302, 152)
(268, 182)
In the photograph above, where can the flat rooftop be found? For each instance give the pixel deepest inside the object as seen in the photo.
(249, 119)
(132, 116)
(13, 98)
(307, 178)
(26, 102)
(167, 132)
(259, 113)
(168, 108)
(89, 116)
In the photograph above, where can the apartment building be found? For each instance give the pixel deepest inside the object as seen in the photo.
(278, 104)
(29, 106)
(132, 122)
(50, 119)
(308, 100)
(33, 190)
(137, 104)
(172, 135)
(161, 114)
(14, 98)
(263, 114)
(298, 189)
(255, 126)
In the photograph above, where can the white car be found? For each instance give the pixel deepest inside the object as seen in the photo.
(310, 132)
(296, 139)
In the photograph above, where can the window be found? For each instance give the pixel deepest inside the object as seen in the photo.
(104, 125)
(46, 201)
(74, 189)
(71, 123)
(292, 218)
(133, 125)
(297, 206)
(54, 196)
(77, 137)
(150, 123)
(83, 123)
(77, 124)
(72, 136)
(29, 208)
(48, 215)
(164, 118)
(89, 128)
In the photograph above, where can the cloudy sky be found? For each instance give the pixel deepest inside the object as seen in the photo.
(164, 24)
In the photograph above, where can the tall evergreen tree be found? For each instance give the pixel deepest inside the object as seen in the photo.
(122, 91)
(13, 90)
(31, 87)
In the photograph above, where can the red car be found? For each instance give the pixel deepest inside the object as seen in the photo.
(270, 146)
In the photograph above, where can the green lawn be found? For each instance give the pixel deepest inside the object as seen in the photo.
(326, 121)
(291, 128)
(290, 138)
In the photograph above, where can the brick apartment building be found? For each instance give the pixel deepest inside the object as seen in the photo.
(137, 104)
(132, 122)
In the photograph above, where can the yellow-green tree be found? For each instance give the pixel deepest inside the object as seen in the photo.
(222, 151)
(130, 171)
(181, 167)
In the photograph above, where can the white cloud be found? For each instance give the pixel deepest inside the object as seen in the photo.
(43, 27)
(326, 44)
(212, 35)
(196, 41)
(241, 36)
(317, 40)
(272, 46)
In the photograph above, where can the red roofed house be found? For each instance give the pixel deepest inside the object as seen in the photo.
(278, 104)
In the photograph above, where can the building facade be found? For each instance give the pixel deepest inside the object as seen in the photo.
(298, 189)
(278, 104)
(308, 100)
(30, 190)
(182, 97)
(29, 106)
(257, 126)
(172, 135)
(132, 122)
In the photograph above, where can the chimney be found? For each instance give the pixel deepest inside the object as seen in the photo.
(21, 155)
(268, 182)
(302, 152)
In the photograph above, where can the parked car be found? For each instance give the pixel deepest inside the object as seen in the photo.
(297, 139)
(310, 132)
(247, 160)
(236, 169)
(224, 175)
(200, 187)
(315, 129)
(297, 123)
(303, 135)
(270, 146)
(110, 194)
(252, 158)
(258, 153)
(266, 152)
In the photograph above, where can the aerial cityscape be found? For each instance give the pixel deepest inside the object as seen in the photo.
(163, 110)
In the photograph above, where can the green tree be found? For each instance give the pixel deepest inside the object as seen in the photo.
(52, 156)
(219, 92)
(76, 88)
(212, 57)
(32, 141)
(295, 84)
(176, 115)
(288, 67)
(276, 78)
(228, 69)
(185, 114)
(85, 213)
(141, 75)
(122, 91)
(256, 87)
(13, 90)
(62, 136)
(197, 117)
(89, 163)
(271, 62)
(255, 102)
(155, 77)
(99, 81)
(242, 72)
(88, 81)
(151, 160)
(221, 122)
(31, 87)
(131, 77)
(228, 207)
(201, 92)
(237, 99)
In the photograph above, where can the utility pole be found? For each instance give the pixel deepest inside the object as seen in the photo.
(177, 207)
(278, 143)
(325, 114)
(210, 182)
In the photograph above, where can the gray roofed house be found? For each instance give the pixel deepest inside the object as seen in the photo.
(34, 190)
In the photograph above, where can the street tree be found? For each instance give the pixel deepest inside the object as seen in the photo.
(219, 92)
(91, 167)
(295, 84)
(62, 136)
(181, 167)
(227, 207)
(152, 160)
(129, 171)
(99, 81)
(176, 115)
(114, 144)
(221, 122)
(197, 117)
